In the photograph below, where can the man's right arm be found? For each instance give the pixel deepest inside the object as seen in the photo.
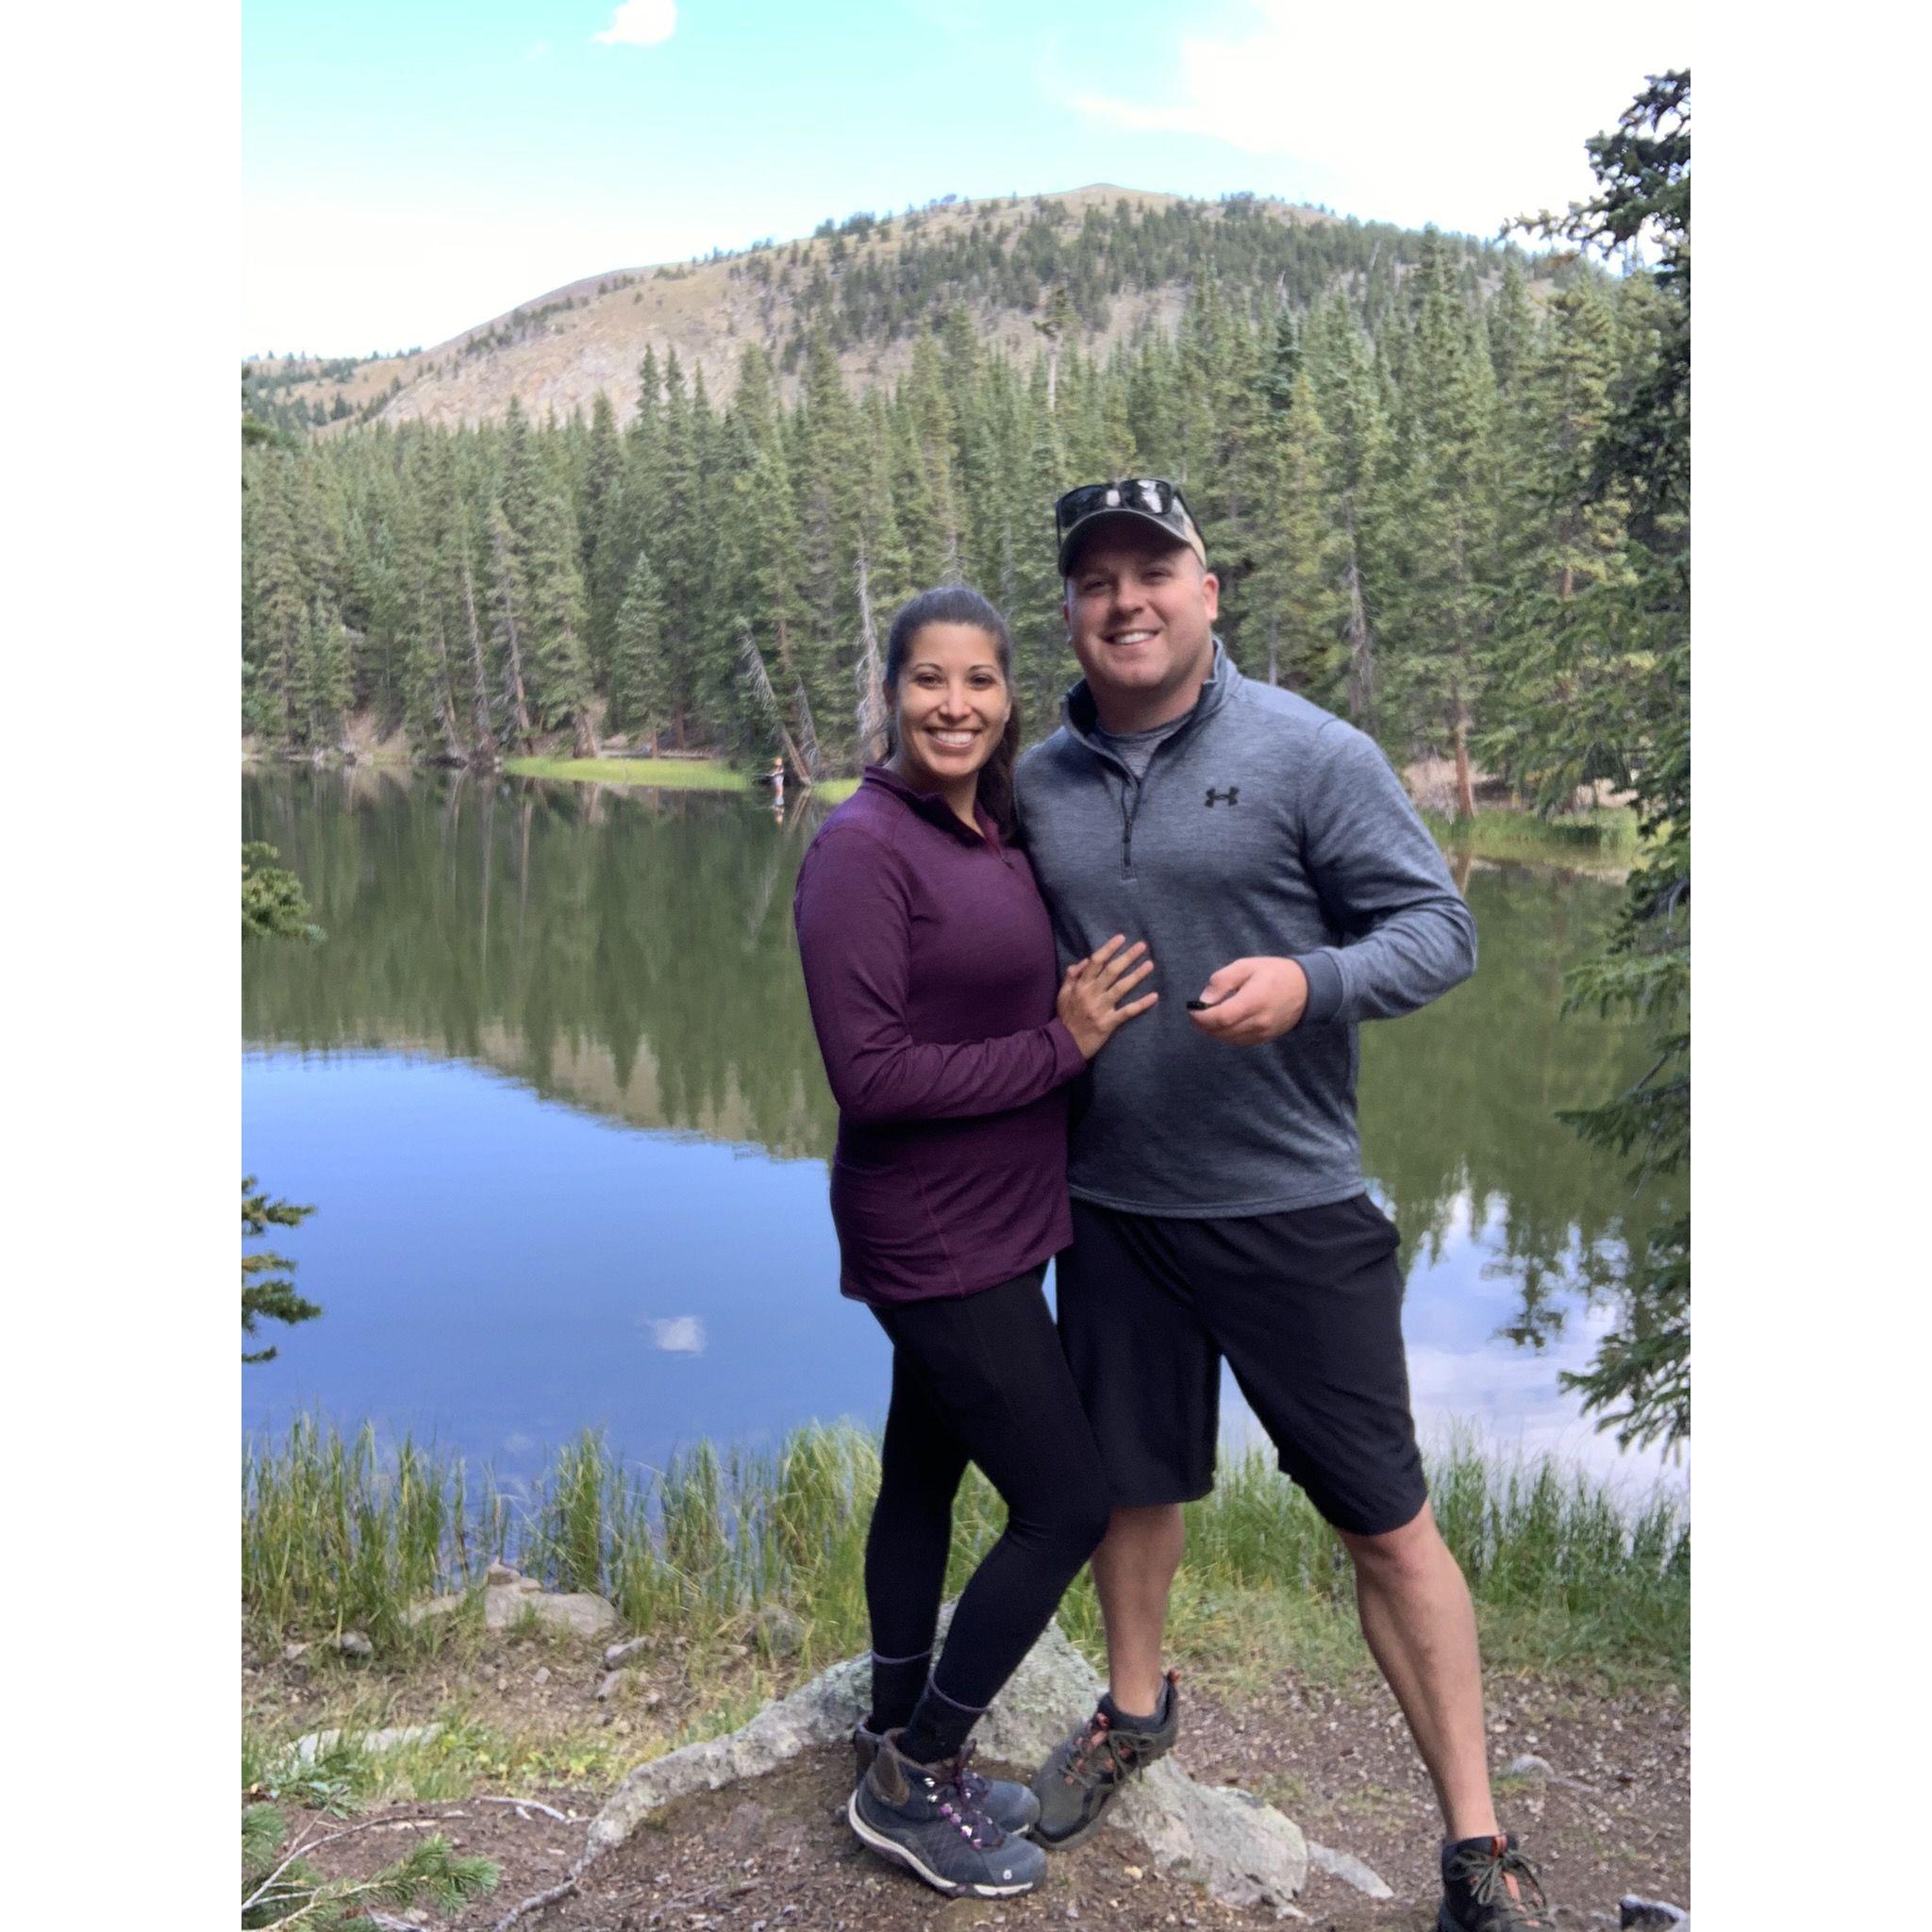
(1409, 936)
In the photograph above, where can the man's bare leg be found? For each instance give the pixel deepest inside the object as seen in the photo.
(1133, 1572)
(1421, 1627)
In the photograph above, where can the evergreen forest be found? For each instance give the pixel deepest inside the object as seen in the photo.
(1393, 467)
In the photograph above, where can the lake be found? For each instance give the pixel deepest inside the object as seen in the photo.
(551, 1084)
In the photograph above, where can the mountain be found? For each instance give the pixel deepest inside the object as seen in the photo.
(1098, 265)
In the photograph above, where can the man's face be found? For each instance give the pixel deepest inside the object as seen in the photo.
(1140, 613)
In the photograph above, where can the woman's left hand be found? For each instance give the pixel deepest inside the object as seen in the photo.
(1089, 1003)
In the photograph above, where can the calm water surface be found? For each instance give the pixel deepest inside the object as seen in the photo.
(552, 1085)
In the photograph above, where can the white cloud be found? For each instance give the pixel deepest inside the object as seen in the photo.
(640, 23)
(1465, 117)
(537, 50)
(679, 1335)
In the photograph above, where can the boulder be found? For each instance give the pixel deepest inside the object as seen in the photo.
(506, 1602)
(353, 1643)
(1242, 1851)
(306, 1750)
(1652, 1912)
(780, 1630)
(581, 1611)
(1349, 1869)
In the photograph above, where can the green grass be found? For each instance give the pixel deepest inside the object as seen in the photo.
(467, 1754)
(671, 775)
(1604, 840)
(340, 1533)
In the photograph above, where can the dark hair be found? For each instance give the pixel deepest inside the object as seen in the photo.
(960, 604)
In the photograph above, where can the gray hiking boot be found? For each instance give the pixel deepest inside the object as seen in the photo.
(917, 1816)
(1489, 1885)
(1088, 1766)
(1012, 1807)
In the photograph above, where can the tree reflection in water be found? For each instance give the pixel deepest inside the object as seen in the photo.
(632, 954)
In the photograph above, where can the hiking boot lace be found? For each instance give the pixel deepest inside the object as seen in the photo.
(1099, 1742)
(1489, 1876)
(966, 1808)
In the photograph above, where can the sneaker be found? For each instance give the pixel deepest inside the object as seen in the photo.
(1077, 1783)
(1012, 1807)
(1483, 1884)
(917, 1816)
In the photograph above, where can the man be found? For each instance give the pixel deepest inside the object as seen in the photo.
(1268, 855)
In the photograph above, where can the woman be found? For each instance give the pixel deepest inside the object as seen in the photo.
(929, 965)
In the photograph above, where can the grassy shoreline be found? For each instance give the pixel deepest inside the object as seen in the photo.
(344, 1532)
(1582, 1604)
(1604, 840)
(669, 775)
(1600, 840)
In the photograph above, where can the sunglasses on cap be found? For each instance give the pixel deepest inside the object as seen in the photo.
(1149, 499)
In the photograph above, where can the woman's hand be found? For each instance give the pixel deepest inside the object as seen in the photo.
(1088, 1005)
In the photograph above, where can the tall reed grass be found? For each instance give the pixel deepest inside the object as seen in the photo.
(340, 1531)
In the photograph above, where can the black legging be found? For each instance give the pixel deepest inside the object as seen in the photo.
(980, 1379)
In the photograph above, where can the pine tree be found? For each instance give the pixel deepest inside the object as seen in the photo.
(606, 520)
(1511, 330)
(1344, 381)
(829, 484)
(929, 494)
(1446, 498)
(1565, 535)
(1299, 599)
(768, 519)
(278, 603)
(509, 616)
(268, 1289)
(558, 665)
(637, 682)
(324, 679)
(1043, 668)
(1640, 1382)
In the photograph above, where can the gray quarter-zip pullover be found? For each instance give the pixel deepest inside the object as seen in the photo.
(1262, 825)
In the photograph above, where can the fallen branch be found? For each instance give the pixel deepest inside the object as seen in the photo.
(535, 1805)
(540, 1900)
(300, 1849)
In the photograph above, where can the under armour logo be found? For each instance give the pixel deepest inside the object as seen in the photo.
(1232, 794)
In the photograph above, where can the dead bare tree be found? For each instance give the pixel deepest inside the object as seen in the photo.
(870, 673)
(483, 746)
(767, 700)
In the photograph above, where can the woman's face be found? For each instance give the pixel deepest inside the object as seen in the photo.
(951, 703)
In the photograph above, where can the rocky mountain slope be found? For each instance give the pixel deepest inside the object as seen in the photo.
(871, 282)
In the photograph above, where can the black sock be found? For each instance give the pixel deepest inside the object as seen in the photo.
(896, 1683)
(1134, 1722)
(938, 1728)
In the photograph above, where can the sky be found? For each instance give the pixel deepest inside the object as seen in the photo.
(413, 167)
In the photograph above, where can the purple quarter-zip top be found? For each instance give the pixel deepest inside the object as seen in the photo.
(929, 968)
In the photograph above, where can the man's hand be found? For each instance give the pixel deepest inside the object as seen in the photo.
(1253, 1000)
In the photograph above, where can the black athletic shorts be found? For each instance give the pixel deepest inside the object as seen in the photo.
(1306, 1308)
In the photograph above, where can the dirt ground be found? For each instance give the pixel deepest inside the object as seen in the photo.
(1611, 1817)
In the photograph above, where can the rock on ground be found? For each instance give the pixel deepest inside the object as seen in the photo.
(1350, 1870)
(1242, 1851)
(306, 1750)
(509, 1598)
(1649, 1912)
